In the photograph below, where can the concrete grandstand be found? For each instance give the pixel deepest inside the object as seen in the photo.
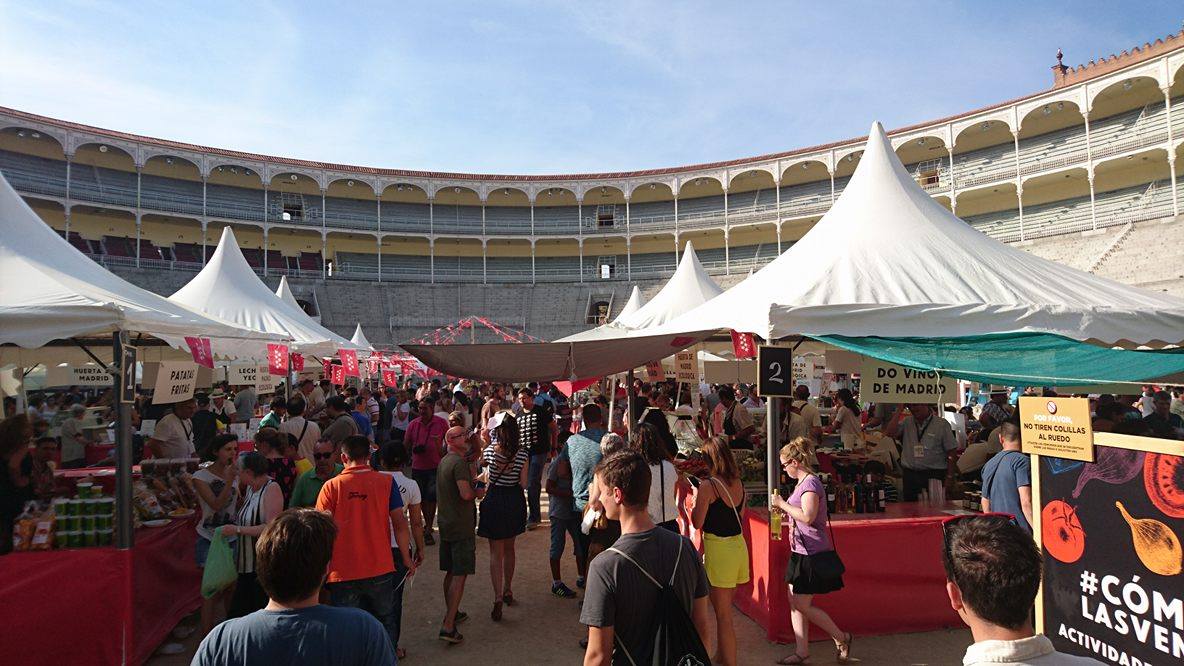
(1084, 173)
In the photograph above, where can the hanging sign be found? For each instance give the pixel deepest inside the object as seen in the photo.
(743, 346)
(372, 367)
(326, 368)
(775, 365)
(265, 382)
(654, 371)
(200, 349)
(337, 375)
(1059, 427)
(686, 366)
(243, 375)
(127, 379)
(277, 359)
(77, 375)
(1110, 539)
(298, 362)
(390, 378)
(175, 381)
(349, 361)
(882, 382)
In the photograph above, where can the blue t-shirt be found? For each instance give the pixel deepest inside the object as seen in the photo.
(315, 635)
(583, 452)
(363, 421)
(1003, 476)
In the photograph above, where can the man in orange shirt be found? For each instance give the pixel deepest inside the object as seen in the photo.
(364, 505)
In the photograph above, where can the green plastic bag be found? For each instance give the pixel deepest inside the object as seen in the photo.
(221, 571)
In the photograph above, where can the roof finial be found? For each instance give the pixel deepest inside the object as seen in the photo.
(1060, 56)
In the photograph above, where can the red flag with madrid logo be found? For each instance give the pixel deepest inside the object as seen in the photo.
(200, 348)
(371, 367)
(298, 362)
(277, 359)
(327, 368)
(743, 345)
(390, 378)
(338, 374)
(349, 361)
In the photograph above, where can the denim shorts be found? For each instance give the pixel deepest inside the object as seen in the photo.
(560, 528)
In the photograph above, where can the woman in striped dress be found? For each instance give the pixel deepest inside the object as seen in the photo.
(262, 502)
(503, 511)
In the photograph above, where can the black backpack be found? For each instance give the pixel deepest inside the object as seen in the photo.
(676, 641)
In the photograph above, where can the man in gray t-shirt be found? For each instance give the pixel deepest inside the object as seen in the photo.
(620, 600)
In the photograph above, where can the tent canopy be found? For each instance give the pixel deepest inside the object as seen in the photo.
(632, 305)
(889, 260)
(285, 293)
(51, 291)
(359, 340)
(228, 288)
(688, 288)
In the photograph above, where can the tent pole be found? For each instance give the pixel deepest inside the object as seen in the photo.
(772, 448)
(124, 536)
(629, 397)
(612, 401)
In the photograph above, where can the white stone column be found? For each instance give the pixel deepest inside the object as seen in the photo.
(777, 189)
(953, 182)
(205, 227)
(629, 257)
(378, 208)
(1167, 100)
(69, 163)
(580, 233)
(324, 252)
(1019, 183)
(379, 239)
(484, 255)
(265, 248)
(727, 233)
(139, 217)
(581, 245)
(532, 269)
(431, 258)
(1089, 162)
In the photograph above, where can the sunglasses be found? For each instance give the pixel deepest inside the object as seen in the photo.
(323, 456)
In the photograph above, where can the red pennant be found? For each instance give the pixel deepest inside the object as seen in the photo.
(277, 359)
(389, 378)
(200, 348)
(326, 368)
(349, 361)
(338, 374)
(298, 362)
(743, 345)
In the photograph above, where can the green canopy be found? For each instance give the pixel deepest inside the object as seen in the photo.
(1024, 359)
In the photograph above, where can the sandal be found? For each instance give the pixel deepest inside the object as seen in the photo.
(496, 613)
(508, 598)
(844, 648)
(794, 658)
(453, 636)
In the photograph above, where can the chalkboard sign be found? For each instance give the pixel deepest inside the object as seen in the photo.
(127, 376)
(775, 365)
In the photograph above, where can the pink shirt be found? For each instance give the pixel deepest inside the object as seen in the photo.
(425, 441)
(811, 538)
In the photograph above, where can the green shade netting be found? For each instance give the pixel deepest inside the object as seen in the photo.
(1030, 359)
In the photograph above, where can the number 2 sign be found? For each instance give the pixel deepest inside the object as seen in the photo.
(774, 378)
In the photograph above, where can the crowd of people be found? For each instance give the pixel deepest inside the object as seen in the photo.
(334, 510)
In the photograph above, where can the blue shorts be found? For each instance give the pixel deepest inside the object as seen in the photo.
(560, 528)
(202, 550)
(426, 478)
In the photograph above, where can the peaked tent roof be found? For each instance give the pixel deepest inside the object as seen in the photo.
(228, 288)
(51, 291)
(285, 293)
(688, 288)
(359, 340)
(635, 302)
(888, 260)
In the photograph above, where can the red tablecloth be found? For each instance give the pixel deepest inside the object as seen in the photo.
(80, 606)
(894, 583)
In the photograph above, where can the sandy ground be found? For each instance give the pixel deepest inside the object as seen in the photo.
(543, 629)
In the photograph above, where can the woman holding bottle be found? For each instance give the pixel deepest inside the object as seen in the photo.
(262, 502)
(814, 566)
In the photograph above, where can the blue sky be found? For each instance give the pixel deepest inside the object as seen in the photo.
(540, 87)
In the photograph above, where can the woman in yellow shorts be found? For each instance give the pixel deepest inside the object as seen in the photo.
(725, 553)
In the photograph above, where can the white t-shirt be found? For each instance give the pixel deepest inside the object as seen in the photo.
(1032, 651)
(227, 409)
(211, 519)
(409, 490)
(669, 492)
(1147, 405)
(71, 430)
(402, 416)
(293, 425)
(176, 437)
(809, 412)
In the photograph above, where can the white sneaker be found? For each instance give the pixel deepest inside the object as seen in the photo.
(171, 648)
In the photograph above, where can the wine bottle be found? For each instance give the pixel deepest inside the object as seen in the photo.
(857, 491)
(882, 499)
(775, 517)
(830, 495)
(850, 497)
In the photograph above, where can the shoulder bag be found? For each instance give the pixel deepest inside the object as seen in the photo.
(826, 564)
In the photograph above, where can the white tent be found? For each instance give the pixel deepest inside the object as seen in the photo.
(285, 293)
(359, 340)
(689, 287)
(888, 260)
(51, 291)
(228, 288)
(635, 302)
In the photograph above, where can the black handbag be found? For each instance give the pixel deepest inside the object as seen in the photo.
(826, 564)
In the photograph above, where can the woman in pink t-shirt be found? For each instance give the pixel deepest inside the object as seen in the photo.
(814, 566)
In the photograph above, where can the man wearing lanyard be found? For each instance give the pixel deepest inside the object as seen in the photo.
(927, 442)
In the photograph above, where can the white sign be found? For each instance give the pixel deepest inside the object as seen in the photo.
(244, 375)
(685, 369)
(882, 382)
(264, 381)
(174, 382)
(77, 375)
(803, 370)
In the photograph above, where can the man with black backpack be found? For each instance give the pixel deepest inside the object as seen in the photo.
(646, 601)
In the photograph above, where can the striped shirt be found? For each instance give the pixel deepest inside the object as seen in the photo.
(501, 471)
(250, 514)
